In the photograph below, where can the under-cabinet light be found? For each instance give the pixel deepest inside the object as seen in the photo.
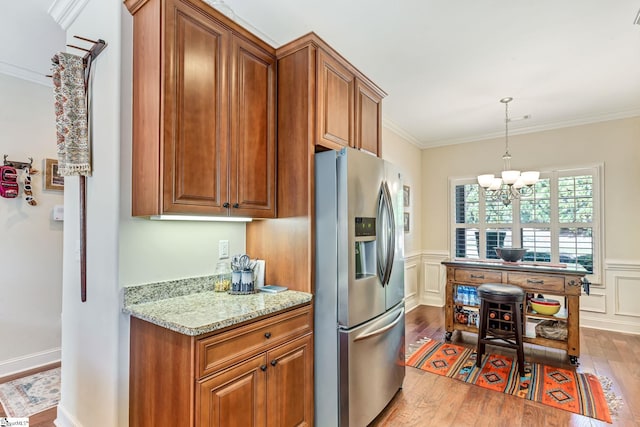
(199, 218)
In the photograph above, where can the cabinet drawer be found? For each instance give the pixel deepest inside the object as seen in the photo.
(537, 282)
(477, 276)
(218, 351)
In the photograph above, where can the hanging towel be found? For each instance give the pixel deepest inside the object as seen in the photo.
(74, 155)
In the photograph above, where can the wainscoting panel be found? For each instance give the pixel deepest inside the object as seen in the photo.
(619, 297)
(434, 278)
(596, 303)
(411, 280)
(627, 291)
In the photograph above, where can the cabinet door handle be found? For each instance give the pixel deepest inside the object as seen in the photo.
(274, 362)
(267, 335)
(477, 276)
(236, 205)
(225, 205)
(263, 367)
(535, 281)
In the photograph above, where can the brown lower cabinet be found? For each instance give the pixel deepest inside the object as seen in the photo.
(256, 374)
(266, 390)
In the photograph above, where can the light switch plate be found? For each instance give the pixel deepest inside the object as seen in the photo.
(223, 249)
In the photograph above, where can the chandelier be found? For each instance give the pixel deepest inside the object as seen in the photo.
(512, 184)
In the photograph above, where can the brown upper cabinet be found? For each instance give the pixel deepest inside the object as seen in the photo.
(335, 102)
(346, 105)
(368, 119)
(204, 94)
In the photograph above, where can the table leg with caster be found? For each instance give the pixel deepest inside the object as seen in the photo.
(447, 336)
(574, 360)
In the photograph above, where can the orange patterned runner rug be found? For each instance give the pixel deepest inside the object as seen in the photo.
(561, 388)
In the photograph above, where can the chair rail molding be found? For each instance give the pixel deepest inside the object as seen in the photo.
(411, 280)
(434, 277)
(622, 264)
(64, 12)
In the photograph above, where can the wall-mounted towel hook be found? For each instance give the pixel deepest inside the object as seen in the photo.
(18, 165)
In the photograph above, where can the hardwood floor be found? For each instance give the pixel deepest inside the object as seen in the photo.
(433, 400)
(42, 419)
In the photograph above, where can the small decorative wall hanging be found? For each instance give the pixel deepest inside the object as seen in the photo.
(406, 195)
(9, 183)
(52, 178)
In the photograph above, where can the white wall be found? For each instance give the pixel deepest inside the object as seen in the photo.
(90, 340)
(614, 143)
(407, 157)
(30, 241)
(121, 250)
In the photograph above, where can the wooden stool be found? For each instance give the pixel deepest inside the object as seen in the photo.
(501, 319)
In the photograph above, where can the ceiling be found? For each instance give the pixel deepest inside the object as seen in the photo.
(29, 37)
(444, 64)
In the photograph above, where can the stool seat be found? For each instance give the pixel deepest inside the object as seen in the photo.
(499, 289)
(497, 298)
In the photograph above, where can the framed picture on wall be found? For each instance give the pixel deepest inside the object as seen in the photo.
(406, 222)
(52, 179)
(406, 194)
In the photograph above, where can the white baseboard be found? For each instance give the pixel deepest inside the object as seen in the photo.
(608, 324)
(30, 361)
(410, 303)
(65, 419)
(434, 301)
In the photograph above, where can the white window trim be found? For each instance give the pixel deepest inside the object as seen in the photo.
(597, 170)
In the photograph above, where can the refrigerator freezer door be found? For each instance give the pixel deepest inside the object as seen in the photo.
(359, 175)
(371, 367)
(395, 286)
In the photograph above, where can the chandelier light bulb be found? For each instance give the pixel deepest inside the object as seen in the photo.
(495, 184)
(509, 177)
(530, 177)
(519, 183)
(485, 180)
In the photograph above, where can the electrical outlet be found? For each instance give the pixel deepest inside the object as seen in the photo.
(223, 249)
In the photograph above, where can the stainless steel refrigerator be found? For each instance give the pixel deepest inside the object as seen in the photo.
(359, 289)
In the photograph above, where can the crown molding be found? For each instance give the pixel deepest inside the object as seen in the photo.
(393, 127)
(581, 121)
(226, 10)
(24, 74)
(64, 12)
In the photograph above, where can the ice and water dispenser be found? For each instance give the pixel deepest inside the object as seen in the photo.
(365, 247)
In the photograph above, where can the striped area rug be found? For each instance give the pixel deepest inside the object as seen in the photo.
(561, 388)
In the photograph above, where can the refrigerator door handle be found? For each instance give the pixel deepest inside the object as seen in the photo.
(381, 330)
(391, 236)
(381, 252)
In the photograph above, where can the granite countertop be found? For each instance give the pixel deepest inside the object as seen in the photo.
(203, 311)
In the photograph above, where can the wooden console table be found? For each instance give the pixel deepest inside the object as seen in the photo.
(549, 281)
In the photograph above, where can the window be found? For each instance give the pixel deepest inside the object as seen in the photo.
(558, 222)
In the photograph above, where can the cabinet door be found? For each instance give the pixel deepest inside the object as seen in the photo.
(253, 143)
(290, 384)
(235, 397)
(195, 111)
(335, 103)
(368, 113)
